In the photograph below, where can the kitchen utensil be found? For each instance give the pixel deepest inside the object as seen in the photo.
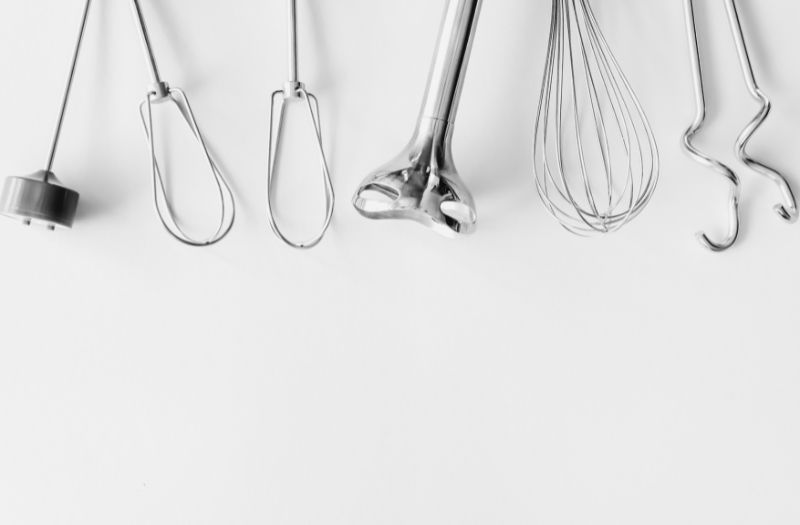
(40, 198)
(788, 209)
(422, 183)
(160, 93)
(595, 156)
(295, 91)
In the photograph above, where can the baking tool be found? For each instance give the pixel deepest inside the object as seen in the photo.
(788, 210)
(40, 198)
(595, 156)
(295, 91)
(161, 92)
(422, 183)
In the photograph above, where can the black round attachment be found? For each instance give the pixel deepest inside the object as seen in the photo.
(39, 199)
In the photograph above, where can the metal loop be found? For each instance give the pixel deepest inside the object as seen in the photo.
(161, 199)
(279, 99)
(582, 75)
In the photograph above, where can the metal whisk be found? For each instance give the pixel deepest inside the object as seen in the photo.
(295, 91)
(161, 92)
(788, 210)
(595, 156)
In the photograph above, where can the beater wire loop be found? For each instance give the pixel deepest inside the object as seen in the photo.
(163, 203)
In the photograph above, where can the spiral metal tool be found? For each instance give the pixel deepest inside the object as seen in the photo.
(40, 198)
(787, 210)
(422, 183)
(595, 156)
(295, 91)
(161, 92)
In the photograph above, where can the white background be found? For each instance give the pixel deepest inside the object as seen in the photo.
(390, 376)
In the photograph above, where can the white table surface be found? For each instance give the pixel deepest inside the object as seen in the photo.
(390, 376)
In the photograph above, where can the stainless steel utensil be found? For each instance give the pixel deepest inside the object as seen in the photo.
(162, 92)
(40, 198)
(788, 210)
(295, 91)
(422, 183)
(595, 156)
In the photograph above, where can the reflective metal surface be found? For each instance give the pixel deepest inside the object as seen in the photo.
(161, 92)
(787, 210)
(595, 155)
(422, 183)
(295, 91)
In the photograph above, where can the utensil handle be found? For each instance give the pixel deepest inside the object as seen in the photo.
(451, 59)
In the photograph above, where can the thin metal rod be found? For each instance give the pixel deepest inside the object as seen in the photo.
(148, 46)
(697, 68)
(788, 210)
(741, 46)
(293, 69)
(699, 156)
(54, 147)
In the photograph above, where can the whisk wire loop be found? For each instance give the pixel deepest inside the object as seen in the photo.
(595, 155)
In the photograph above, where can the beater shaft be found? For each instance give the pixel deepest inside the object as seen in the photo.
(293, 49)
(65, 102)
(161, 88)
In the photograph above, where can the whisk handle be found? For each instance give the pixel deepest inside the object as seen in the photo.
(452, 56)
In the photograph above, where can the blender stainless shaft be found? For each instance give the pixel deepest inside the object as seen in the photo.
(450, 63)
(422, 183)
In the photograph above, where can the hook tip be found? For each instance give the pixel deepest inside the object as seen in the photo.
(789, 215)
(715, 247)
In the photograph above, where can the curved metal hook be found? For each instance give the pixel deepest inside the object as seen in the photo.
(734, 196)
(788, 210)
(699, 156)
(162, 202)
(296, 91)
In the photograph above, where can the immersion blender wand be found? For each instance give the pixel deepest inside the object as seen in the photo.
(422, 183)
(40, 198)
(161, 92)
(294, 90)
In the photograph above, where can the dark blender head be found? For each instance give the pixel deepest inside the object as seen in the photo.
(39, 199)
